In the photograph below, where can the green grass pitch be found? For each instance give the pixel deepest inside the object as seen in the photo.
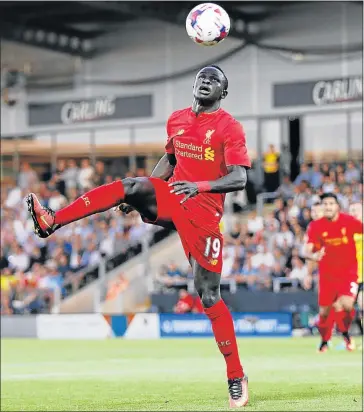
(174, 374)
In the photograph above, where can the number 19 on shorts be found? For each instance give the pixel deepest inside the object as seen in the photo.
(213, 246)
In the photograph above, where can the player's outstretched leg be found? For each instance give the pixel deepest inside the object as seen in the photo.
(208, 287)
(138, 192)
(325, 326)
(345, 314)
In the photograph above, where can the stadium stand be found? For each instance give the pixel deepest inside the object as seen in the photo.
(32, 270)
(266, 253)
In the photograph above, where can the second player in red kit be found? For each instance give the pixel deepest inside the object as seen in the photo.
(330, 241)
(206, 157)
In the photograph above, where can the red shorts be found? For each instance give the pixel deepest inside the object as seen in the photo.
(330, 292)
(199, 231)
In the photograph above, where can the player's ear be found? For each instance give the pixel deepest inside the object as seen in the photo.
(224, 94)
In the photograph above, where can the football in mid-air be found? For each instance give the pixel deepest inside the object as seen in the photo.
(208, 24)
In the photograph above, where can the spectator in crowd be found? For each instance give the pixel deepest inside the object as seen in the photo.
(263, 256)
(70, 176)
(100, 175)
(286, 189)
(285, 159)
(171, 275)
(255, 223)
(27, 176)
(328, 185)
(185, 302)
(284, 237)
(316, 176)
(86, 175)
(352, 173)
(299, 271)
(304, 174)
(271, 169)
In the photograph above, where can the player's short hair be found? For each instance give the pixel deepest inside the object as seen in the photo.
(329, 195)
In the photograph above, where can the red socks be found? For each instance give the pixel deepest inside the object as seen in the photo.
(95, 201)
(326, 325)
(223, 328)
(344, 320)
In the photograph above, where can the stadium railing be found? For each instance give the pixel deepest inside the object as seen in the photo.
(100, 271)
(262, 198)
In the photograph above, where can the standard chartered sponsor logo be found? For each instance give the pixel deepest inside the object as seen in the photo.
(194, 152)
(191, 155)
(188, 146)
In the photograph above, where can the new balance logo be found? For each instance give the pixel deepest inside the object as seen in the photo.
(209, 133)
(209, 154)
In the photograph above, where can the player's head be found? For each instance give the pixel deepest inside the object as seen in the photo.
(210, 85)
(330, 205)
(356, 210)
(316, 211)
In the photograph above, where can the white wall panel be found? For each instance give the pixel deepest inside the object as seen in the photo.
(325, 131)
(147, 49)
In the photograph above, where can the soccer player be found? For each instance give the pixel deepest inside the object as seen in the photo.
(206, 157)
(356, 210)
(330, 241)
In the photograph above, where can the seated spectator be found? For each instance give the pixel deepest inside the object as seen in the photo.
(304, 174)
(171, 275)
(18, 259)
(27, 176)
(262, 257)
(328, 185)
(285, 236)
(185, 302)
(304, 217)
(100, 174)
(279, 257)
(277, 271)
(236, 234)
(316, 176)
(255, 223)
(352, 174)
(26, 299)
(299, 271)
(292, 209)
(56, 200)
(286, 189)
(248, 274)
(264, 279)
(85, 175)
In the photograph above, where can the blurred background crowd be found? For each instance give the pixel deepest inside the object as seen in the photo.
(260, 252)
(86, 89)
(32, 269)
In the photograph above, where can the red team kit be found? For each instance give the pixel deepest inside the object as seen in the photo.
(204, 146)
(338, 269)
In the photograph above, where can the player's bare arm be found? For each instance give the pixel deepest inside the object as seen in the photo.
(235, 180)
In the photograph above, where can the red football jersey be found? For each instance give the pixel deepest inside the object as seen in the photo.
(204, 146)
(337, 237)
